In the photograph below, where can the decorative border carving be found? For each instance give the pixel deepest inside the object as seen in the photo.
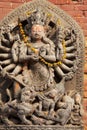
(40, 128)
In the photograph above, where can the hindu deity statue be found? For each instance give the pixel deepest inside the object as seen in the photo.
(34, 67)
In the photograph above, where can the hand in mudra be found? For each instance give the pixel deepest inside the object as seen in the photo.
(42, 52)
(34, 57)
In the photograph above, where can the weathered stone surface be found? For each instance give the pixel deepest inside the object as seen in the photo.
(40, 128)
(41, 68)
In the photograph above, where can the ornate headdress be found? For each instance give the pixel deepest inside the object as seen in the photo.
(38, 17)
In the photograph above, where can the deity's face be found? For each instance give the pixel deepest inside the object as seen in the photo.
(37, 31)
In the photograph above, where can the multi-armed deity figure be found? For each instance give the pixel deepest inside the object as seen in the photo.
(37, 66)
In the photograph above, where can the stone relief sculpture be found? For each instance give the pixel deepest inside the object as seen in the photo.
(38, 57)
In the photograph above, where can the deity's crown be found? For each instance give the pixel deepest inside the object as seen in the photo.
(38, 17)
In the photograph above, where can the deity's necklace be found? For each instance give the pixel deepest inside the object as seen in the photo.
(25, 39)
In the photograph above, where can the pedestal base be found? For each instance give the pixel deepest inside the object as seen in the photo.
(35, 127)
